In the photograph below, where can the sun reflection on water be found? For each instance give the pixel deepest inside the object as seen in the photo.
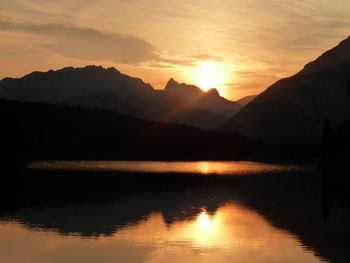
(204, 221)
(231, 233)
(206, 230)
(201, 167)
(204, 167)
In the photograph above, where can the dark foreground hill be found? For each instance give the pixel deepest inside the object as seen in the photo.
(34, 131)
(296, 108)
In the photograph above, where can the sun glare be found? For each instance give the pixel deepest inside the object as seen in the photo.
(204, 221)
(207, 75)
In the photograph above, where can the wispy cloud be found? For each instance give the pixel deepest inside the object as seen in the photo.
(207, 57)
(88, 43)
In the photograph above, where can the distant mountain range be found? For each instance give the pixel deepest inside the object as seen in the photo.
(197, 98)
(292, 109)
(97, 87)
(296, 108)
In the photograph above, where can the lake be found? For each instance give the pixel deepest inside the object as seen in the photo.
(233, 232)
(200, 167)
(272, 217)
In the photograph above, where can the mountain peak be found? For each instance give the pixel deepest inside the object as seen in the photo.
(71, 82)
(213, 92)
(113, 69)
(87, 68)
(65, 69)
(345, 42)
(171, 82)
(174, 85)
(92, 67)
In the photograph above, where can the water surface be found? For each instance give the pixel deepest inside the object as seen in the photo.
(202, 167)
(272, 217)
(233, 233)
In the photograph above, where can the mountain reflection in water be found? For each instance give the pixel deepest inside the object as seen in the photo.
(232, 232)
(265, 218)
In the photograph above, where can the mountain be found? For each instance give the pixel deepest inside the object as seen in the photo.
(100, 100)
(38, 131)
(194, 96)
(245, 100)
(97, 87)
(67, 83)
(296, 108)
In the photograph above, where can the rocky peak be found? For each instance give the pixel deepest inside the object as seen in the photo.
(171, 83)
(213, 92)
(174, 86)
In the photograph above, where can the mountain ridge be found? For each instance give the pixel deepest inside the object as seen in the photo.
(196, 97)
(296, 108)
(333, 58)
(77, 86)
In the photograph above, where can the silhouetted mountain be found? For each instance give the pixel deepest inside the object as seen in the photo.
(161, 107)
(332, 59)
(295, 108)
(40, 131)
(194, 96)
(35, 131)
(98, 87)
(245, 100)
(67, 83)
(103, 100)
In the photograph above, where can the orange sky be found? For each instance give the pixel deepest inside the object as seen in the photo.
(237, 46)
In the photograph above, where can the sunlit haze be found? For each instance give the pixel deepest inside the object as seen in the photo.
(238, 47)
(208, 74)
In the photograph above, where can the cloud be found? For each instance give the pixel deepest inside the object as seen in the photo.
(87, 43)
(167, 62)
(157, 65)
(207, 57)
(182, 61)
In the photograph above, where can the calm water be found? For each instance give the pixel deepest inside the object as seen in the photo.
(269, 218)
(232, 234)
(203, 167)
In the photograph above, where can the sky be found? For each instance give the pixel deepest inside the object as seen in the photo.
(239, 47)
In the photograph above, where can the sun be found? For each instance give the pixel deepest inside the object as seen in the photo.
(208, 75)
